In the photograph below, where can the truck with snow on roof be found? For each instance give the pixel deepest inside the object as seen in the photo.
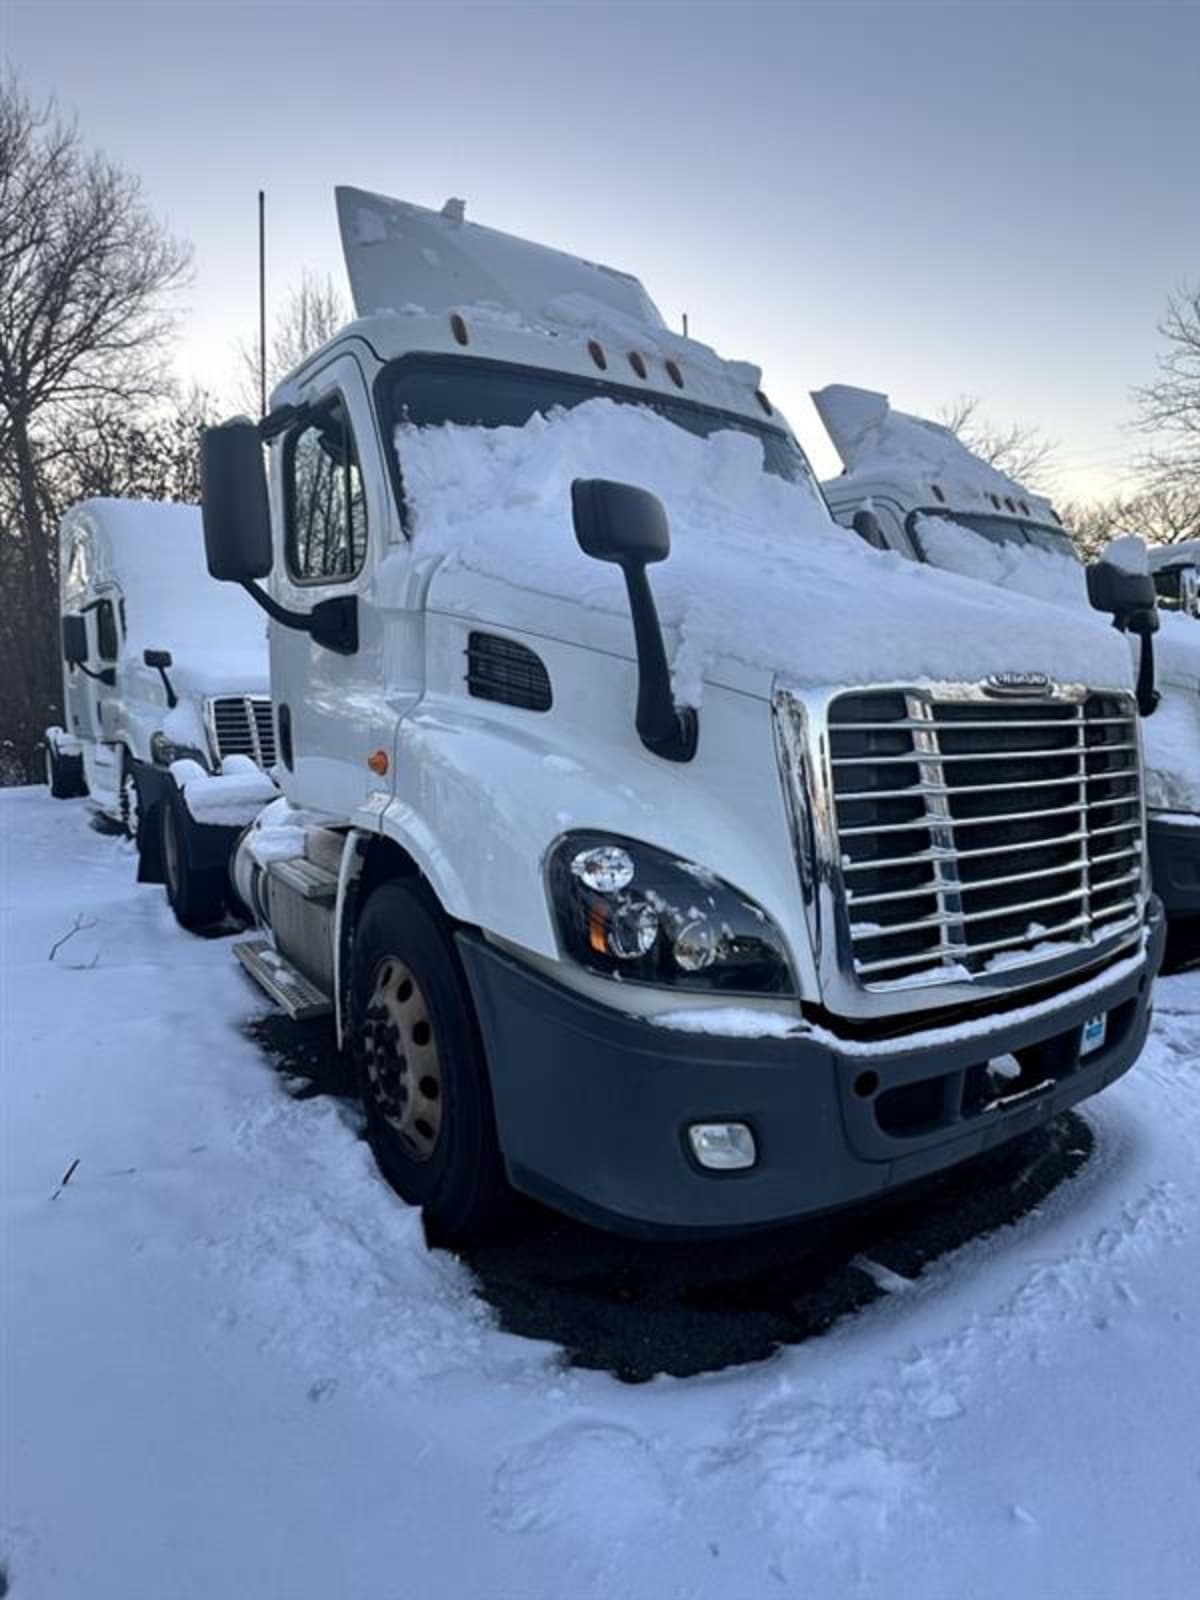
(658, 851)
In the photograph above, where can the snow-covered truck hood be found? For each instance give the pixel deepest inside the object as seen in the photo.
(760, 582)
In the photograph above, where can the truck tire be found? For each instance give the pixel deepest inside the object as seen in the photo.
(64, 775)
(196, 896)
(420, 1067)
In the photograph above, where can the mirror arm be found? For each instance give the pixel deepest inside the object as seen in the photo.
(331, 623)
(1147, 695)
(670, 731)
(168, 689)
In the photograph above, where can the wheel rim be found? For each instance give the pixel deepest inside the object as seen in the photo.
(170, 843)
(402, 1060)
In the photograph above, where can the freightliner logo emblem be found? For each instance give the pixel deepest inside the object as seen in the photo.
(1018, 683)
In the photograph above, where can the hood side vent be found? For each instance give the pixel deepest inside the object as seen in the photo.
(509, 673)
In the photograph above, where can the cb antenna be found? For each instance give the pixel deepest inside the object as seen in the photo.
(262, 303)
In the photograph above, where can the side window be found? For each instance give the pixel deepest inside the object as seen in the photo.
(106, 631)
(326, 507)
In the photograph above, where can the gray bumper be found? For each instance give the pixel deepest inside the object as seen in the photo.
(592, 1106)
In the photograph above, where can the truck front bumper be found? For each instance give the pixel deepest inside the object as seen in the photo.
(593, 1106)
(1175, 864)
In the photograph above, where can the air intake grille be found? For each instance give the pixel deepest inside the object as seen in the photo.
(244, 726)
(975, 835)
(502, 670)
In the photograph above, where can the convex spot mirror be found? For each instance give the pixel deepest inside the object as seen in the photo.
(233, 492)
(74, 640)
(619, 522)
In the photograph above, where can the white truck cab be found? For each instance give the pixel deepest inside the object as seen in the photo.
(1176, 572)
(658, 850)
(934, 501)
(160, 666)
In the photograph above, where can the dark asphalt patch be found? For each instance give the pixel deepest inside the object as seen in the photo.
(638, 1309)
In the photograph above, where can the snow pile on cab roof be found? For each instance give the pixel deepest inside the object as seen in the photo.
(758, 573)
(154, 551)
(874, 439)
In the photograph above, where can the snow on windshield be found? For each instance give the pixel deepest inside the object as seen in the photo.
(758, 573)
(1023, 568)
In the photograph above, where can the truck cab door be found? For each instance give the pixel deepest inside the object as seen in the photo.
(333, 516)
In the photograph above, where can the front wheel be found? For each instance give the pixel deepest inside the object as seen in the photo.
(421, 1069)
(196, 894)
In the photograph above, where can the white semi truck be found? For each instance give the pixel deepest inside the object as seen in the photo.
(694, 919)
(932, 500)
(160, 666)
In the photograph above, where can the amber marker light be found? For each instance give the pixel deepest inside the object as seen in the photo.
(378, 762)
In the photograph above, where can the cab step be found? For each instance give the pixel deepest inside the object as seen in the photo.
(286, 985)
(306, 879)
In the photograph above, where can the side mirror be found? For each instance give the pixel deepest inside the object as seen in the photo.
(621, 523)
(74, 640)
(1121, 593)
(868, 526)
(233, 492)
(1132, 601)
(160, 660)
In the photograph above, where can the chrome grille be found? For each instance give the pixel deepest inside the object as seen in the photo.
(243, 725)
(976, 835)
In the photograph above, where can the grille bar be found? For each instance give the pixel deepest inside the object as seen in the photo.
(244, 725)
(1046, 791)
(981, 755)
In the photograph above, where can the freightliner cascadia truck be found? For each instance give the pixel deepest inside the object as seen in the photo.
(659, 851)
(934, 501)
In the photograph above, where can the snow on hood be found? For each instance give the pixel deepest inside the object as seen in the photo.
(759, 576)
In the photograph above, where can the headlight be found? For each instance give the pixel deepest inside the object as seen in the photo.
(629, 910)
(164, 751)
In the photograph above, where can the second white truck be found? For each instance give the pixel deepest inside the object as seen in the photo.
(935, 502)
(160, 667)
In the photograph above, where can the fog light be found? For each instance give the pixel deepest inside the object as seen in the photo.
(723, 1146)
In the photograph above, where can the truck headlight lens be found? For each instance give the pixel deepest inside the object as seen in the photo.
(163, 751)
(629, 910)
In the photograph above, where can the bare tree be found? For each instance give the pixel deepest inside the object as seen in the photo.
(1161, 514)
(1168, 408)
(312, 312)
(85, 277)
(1021, 451)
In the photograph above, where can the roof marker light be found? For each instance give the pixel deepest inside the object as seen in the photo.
(764, 402)
(937, 493)
(674, 373)
(596, 351)
(637, 363)
(459, 328)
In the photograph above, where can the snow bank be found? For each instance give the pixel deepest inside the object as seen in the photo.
(758, 575)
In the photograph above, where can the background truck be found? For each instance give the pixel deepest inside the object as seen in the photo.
(934, 501)
(694, 919)
(160, 666)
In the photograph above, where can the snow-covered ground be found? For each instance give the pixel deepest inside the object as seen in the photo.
(230, 1366)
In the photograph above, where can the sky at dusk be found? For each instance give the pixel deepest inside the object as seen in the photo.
(992, 198)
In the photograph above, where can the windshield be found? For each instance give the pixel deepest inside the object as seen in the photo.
(426, 391)
(998, 530)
